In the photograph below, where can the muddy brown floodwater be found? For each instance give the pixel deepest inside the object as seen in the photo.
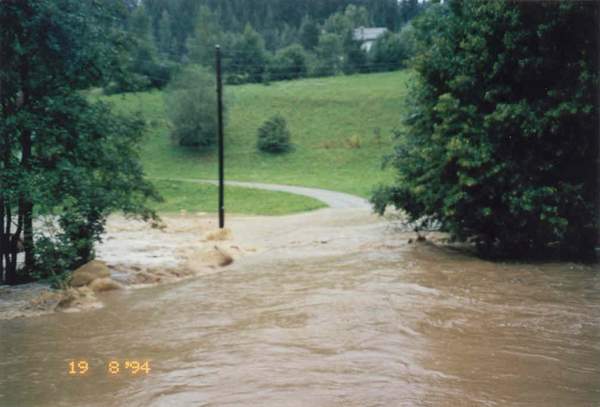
(337, 310)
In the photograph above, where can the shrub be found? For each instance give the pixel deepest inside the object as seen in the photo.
(274, 136)
(191, 104)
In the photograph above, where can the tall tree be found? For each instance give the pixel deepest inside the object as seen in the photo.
(60, 154)
(329, 53)
(309, 33)
(208, 33)
(166, 41)
(501, 145)
(408, 9)
(248, 55)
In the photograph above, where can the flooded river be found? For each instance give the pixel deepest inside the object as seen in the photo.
(338, 311)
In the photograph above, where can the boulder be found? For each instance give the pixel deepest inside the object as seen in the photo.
(104, 284)
(219, 235)
(223, 258)
(89, 272)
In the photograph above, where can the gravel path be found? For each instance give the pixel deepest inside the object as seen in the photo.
(336, 200)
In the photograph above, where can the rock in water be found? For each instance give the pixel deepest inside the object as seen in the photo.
(219, 235)
(223, 258)
(89, 272)
(104, 284)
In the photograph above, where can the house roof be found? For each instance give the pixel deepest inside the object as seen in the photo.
(368, 33)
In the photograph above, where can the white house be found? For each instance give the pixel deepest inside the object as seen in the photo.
(367, 36)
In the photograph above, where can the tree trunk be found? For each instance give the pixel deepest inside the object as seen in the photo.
(3, 241)
(26, 205)
(10, 255)
(25, 202)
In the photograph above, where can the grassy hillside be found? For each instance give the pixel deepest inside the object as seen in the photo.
(333, 122)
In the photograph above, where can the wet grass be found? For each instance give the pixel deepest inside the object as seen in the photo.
(341, 128)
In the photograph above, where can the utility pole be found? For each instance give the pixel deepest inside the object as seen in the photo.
(220, 137)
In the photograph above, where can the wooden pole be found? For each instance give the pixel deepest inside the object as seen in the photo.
(220, 136)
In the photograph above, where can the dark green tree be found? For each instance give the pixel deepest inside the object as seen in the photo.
(61, 155)
(309, 33)
(501, 146)
(329, 53)
(207, 34)
(248, 56)
(191, 102)
(408, 9)
(289, 63)
(389, 52)
(166, 41)
(274, 136)
(141, 65)
(288, 35)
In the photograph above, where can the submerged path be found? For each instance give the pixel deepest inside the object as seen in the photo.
(333, 199)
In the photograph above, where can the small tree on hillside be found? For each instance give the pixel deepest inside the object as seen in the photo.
(274, 136)
(191, 104)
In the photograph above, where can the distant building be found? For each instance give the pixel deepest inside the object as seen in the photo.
(367, 36)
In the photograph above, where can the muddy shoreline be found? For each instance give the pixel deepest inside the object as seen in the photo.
(137, 256)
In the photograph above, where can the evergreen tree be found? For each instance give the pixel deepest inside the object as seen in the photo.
(166, 42)
(408, 9)
(288, 36)
(357, 16)
(208, 33)
(309, 33)
(248, 56)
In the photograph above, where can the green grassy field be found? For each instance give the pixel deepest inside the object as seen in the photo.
(327, 117)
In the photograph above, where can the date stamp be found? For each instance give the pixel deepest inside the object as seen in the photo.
(112, 367)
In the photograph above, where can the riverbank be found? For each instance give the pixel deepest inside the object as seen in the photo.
(191, 245)
(137, 256)
(134, 255)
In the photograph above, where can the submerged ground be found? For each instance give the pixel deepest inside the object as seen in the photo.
(328, 308)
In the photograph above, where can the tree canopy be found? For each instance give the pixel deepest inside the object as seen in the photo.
(62, 157)
(161, 35)
(501, 143)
